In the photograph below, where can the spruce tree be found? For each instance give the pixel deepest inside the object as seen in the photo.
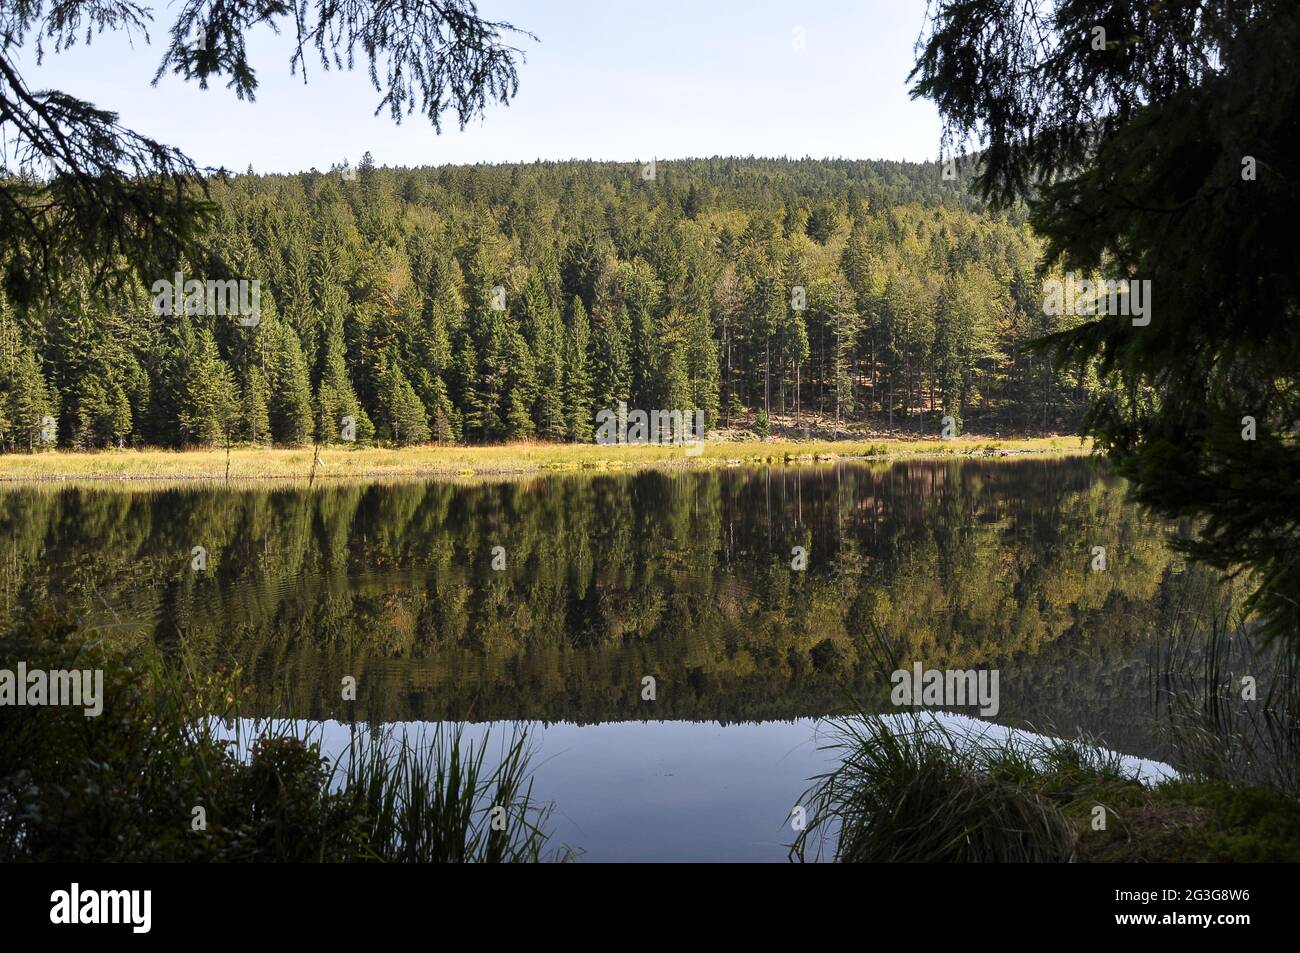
(210, 412)
(28, 401)
(610, 369)
(465, 375)
(255, 417)
(290, 405)
(444, 421)
(702, 367)
(404, 415)
(335, 398)
(543, 331)
(579, 418)
(521, 391)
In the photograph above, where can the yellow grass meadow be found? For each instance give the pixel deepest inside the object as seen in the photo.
(341, 462)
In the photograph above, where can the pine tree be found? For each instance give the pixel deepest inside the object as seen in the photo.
(610, 370)
(465, 375)
(676, 385)
(521, 391)
(543, 330)
(579, 418)
(210, 412)
(768, 303)
(444, 421)
(645, 359)
(693, 204)
(290, 389)
(702, 367)
(335, 398)
(255, 418)
(28, 401)
(791, 345)
(549, 364)
(431, 340)
(404, 415)
(492, 395)
(831, 302)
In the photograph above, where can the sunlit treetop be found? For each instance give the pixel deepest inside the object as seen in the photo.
(77, 187)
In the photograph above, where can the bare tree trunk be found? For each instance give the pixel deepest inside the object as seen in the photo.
(796, 393)
(726, 344)
(767, 379)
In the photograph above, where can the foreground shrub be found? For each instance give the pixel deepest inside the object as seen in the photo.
(156, 777)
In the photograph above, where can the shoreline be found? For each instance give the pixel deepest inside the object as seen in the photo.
(259, 464)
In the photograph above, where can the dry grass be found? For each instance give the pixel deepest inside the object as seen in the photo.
(336, 462)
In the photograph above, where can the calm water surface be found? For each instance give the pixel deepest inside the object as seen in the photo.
(685, 578)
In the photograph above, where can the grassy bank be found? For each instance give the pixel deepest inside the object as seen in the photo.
(336, 462)
(911, 789)
(921, 786)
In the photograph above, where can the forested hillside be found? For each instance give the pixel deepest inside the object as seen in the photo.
(488, 303)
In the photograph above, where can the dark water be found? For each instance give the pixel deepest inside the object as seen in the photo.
(684, 578)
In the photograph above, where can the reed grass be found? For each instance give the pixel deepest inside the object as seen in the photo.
(1227, 703)
(910, 789)
(441, 802)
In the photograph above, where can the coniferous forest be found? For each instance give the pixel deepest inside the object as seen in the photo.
(500, 302)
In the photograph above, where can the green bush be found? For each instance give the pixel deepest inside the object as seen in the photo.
(125, 786)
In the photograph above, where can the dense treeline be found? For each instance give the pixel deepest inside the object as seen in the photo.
(484, 303)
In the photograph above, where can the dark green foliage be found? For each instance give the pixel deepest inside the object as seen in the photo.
(254, 413)
(123, 786)
(579, 417)
(822, 222)
(334, 396)
(1242, 824)
(1167, 153)
(26, 401)
(403, 418)
(611, 371)
(290, 387)
(210, 412)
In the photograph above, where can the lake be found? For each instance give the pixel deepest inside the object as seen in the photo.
(650, 630)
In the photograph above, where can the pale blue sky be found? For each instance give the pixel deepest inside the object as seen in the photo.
(607, 80)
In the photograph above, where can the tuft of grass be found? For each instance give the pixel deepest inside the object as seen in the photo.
(440, 803)
(909, 790)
